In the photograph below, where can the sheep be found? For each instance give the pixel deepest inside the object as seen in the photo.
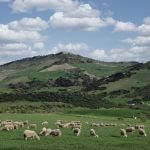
(30, 134)
(48, 131)
(93, 133)
(77, 131)
(142, 132)
(139, 126)
(64, 125)
(9, 127)
(123, 132)
(32, 126)
(45, 123)
(26, 122)
(76, 126)
(43, 132)
(55, 132)
(130, 129)
(95, 124)
(19, 124)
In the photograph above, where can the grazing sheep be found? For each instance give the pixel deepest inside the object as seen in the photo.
(76, 126)
(45, 123)
(8, 127)
(26, 122)
(93, 133)
(139, 126)
(95, 124)
(48, 131)
(43, 132)
(130, 129)
(77, 131)
(123, 132)
(55, 132)
(20, 124)
(30, 134)
(142, 132)
(63, 125)
(32, 126)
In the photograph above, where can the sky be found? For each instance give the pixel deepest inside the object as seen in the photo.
(106, 30)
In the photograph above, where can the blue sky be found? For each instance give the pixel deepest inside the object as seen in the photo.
(107, 30)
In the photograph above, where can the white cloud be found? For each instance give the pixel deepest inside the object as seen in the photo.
(120, 26)
(8, 35)
(83, 10)
(18, 50)
(39, 45)
(144, 29)
(57, 5)
(138, 41)
(124, 26)
(29, 24)
(140, 54)
(61, 21)
(73, 48)
(147, 20)
(13, 46)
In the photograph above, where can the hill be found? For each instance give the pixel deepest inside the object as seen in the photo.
(77, 80)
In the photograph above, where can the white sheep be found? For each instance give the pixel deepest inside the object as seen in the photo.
(45, 123)
(130, 129)
(30, 134)
(93, 133)
(32, 126)
(139, 126)
(55, 132)
(77, 131)
(123, 132)
(43, 132)
(8, 127)
(142, 132)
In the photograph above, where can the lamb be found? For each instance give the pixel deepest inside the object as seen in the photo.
(77, 131)
(123, 132)
(130, 129)
(93, 133)
(55, 132)
(142, 132)
(30, 134)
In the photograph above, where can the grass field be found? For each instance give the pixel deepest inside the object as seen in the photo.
(109, 137)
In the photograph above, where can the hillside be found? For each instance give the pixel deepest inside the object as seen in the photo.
(77, 80)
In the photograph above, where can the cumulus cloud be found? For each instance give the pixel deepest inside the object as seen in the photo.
(22, 38)
(83, 18)
(29, 24)
(120, 26)
(13, 51)
(57, 5)
(138, 41)
(71, 47)
(39, 45)
(61, 21)
(140, 54)
(9, 35)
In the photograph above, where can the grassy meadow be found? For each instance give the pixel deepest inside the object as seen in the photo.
(109, 137)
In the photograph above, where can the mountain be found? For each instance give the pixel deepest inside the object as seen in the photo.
(74, 79)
